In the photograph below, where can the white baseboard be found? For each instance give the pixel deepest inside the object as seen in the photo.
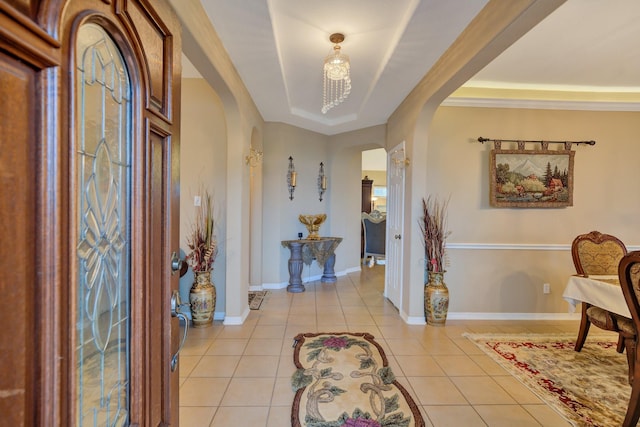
(419, 320)
(512, 316)
(236, 320)
(274, 285)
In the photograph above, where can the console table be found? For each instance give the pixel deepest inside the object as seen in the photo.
(304, 251)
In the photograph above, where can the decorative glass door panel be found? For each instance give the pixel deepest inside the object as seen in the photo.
(103, 158)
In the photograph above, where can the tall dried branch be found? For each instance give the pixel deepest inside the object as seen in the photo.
(433, 225)
(202, 241)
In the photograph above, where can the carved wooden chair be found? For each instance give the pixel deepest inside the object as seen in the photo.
(596, 253)
(629, 275)
(375, 236)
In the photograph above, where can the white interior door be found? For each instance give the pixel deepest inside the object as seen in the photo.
(395, 223)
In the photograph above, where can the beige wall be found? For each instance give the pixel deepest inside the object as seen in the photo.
(203, 155)
(487, 276)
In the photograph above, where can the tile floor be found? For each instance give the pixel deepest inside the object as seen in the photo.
(234, 376)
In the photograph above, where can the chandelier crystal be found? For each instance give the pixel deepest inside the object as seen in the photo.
(337, 77)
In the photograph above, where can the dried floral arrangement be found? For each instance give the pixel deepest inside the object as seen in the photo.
(202, 241)
(434, 231)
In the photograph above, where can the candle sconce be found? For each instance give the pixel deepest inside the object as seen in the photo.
(322, 181)
(291, 178)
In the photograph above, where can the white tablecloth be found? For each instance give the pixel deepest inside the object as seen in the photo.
(597, 292)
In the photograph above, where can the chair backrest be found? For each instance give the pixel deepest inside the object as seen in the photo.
(629, 275)
(596, 253)
(375, 234)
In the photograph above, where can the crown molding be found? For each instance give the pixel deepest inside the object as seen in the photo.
(538, 104)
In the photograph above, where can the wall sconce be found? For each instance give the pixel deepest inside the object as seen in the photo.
(322, 181)
(291, 178)
(399, 160)
(254, 157)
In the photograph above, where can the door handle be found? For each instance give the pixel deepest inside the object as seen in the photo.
(176, 263)
(175, 312)
(397, 236)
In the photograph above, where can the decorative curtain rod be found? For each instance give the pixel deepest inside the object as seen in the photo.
(544, 144)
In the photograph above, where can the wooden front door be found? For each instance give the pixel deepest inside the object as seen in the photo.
(89, 142)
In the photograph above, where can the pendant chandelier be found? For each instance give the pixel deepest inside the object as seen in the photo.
(337, 78)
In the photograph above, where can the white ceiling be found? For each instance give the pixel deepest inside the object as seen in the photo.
(278, 47)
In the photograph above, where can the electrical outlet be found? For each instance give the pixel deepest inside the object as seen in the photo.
(546, 288)
(197, 201)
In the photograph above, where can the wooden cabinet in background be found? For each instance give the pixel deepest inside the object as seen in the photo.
(367, 191)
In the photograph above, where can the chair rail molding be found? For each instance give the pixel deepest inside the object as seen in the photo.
(519, 246)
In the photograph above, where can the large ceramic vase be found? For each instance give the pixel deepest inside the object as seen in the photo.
(203, 300)
(436, 299)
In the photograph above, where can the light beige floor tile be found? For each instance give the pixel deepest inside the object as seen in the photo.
(279, 416)
(282, 392)
(196, 416)
(362, 318)
(237, 416)
(286, 367)
(454, 416)
(406, 347)
(482, 391)
(425, 418)
(332, 326)
(506, 416)
(249, 392)
(488, 365)
(236, 332)
(546, 416)
(436, 391)
(227, 347)
(203, 391)
(468, 346)
(264, 347)
(517, 390)
(210, 332)
(394, 332)
(196, 346)
(274, 317)
(419, 366)
(268, 331)
(257, 366)
(441, 346)
(216, 366)
(187, 363)
(456, 365)
(301, 320)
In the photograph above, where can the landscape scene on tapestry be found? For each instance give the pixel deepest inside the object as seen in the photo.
(526, 179)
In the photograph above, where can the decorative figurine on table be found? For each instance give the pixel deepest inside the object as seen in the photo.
(313, 223)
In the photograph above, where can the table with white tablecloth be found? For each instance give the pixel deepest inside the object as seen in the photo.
(601, 291)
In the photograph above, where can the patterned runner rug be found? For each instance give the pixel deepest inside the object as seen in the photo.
(256, 298)
(343, 379)
(588, 388)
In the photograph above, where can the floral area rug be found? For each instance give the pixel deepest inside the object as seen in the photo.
(588, 388)
(343, 379)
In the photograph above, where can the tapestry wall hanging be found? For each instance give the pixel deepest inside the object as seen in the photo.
(531, 178)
